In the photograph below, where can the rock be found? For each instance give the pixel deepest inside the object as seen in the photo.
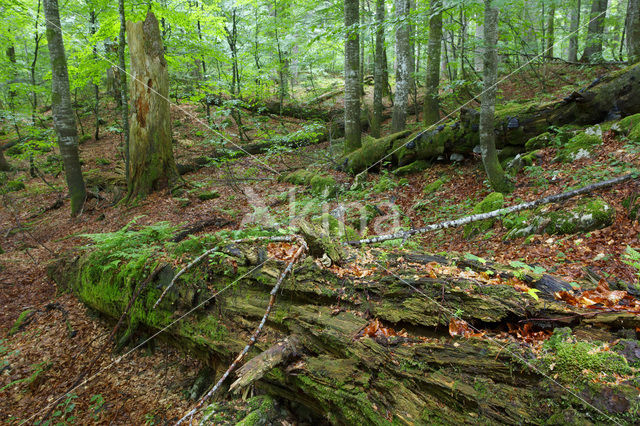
(456, 158)
(624, 126)
(491, 202)
(522, 160)
(541, 141)
(324, 186)
(588, 215)
(339, 212)
(415, 167)
(578, 147)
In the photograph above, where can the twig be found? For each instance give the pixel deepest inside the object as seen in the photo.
(496, 213)
(256, 333)
(199, 259)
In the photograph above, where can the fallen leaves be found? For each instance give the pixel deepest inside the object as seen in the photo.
(376, 329)
(459, 327)
(602, 297)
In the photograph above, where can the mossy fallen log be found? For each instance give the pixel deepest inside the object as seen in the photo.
(608, 98)
(346, 377)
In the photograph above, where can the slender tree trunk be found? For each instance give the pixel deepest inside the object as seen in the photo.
(11, 54)
(595, 31)
(362, 41)
(152, 165)
(492, 166)
(573, 31)
(96, 89)
(36, 39)
(385, 76)
(633, 31)
(351, 79)
(479, 51)
(124, 91)
(378, 71)
(403, 68)
(413, 88)
(63, 118)
(434, 52)
(550, 31)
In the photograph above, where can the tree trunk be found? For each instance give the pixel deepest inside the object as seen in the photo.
(617, 94)
(63, 118)
(550, 31)
(403, 44)
(431, 97)
(595, 32)
(124, 91)
(378, 71)
(633, 31)
(351, 79)
(319, 348)
(36, 42)
(151, 156)
(4, 164)
(96, 89)
(574, 32)
(490, 160)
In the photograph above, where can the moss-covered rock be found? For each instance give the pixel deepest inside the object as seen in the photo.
(361, 218)
(491, 202)
(578, 147)
(415, 167)
(522, 161)
(208, 195)
(371, 151)
(625, 125)
(299, 177)
(589, 214)
(541, 141)
(634, 134)
(324, 186)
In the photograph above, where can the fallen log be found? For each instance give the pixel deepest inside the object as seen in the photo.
(341, 374)
(613, 96)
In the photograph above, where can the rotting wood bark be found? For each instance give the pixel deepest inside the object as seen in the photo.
(361, 380)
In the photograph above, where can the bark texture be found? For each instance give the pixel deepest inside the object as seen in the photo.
(490, 160)
(313, 352)
(351, 80)
(595, 31)
(63, 117)
(378, 70)
(633, 30)
(403, 57)
(431, 107)
(151, 162)
(574, 25)
(121, 73)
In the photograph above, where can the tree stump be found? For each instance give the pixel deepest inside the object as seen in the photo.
(151, 162)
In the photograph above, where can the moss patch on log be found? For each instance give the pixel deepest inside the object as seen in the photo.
(491, 202)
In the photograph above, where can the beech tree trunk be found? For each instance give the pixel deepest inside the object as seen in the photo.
(313, 350)
(403, 68)
(121, 73)
(573, 31)
(490, 160)
(352, 138)
(431, 98)
(63, 117)
(151, 162)
(378, 71)
(595, 31)
(550, 36)
(633, 31)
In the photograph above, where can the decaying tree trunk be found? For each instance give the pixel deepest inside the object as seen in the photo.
(151, 162)
(313, 350)
(615, 94)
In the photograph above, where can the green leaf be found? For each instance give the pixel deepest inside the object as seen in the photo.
(533, 293)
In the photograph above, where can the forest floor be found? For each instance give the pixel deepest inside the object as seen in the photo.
(60, 336)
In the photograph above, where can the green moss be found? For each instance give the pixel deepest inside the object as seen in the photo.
(208, 195)
(372, 150)
(22, 319)
(264, 410)
(415, 167)
(491, 202)
(433, 186)
(324, 186)
(541, 141)
(336, 229)
(580, 146)
(13, 186)
(625, 125)
(574, 360)
(300, 177)
(634, 134)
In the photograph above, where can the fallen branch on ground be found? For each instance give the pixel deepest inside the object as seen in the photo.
(496, 213)
(272, 299)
